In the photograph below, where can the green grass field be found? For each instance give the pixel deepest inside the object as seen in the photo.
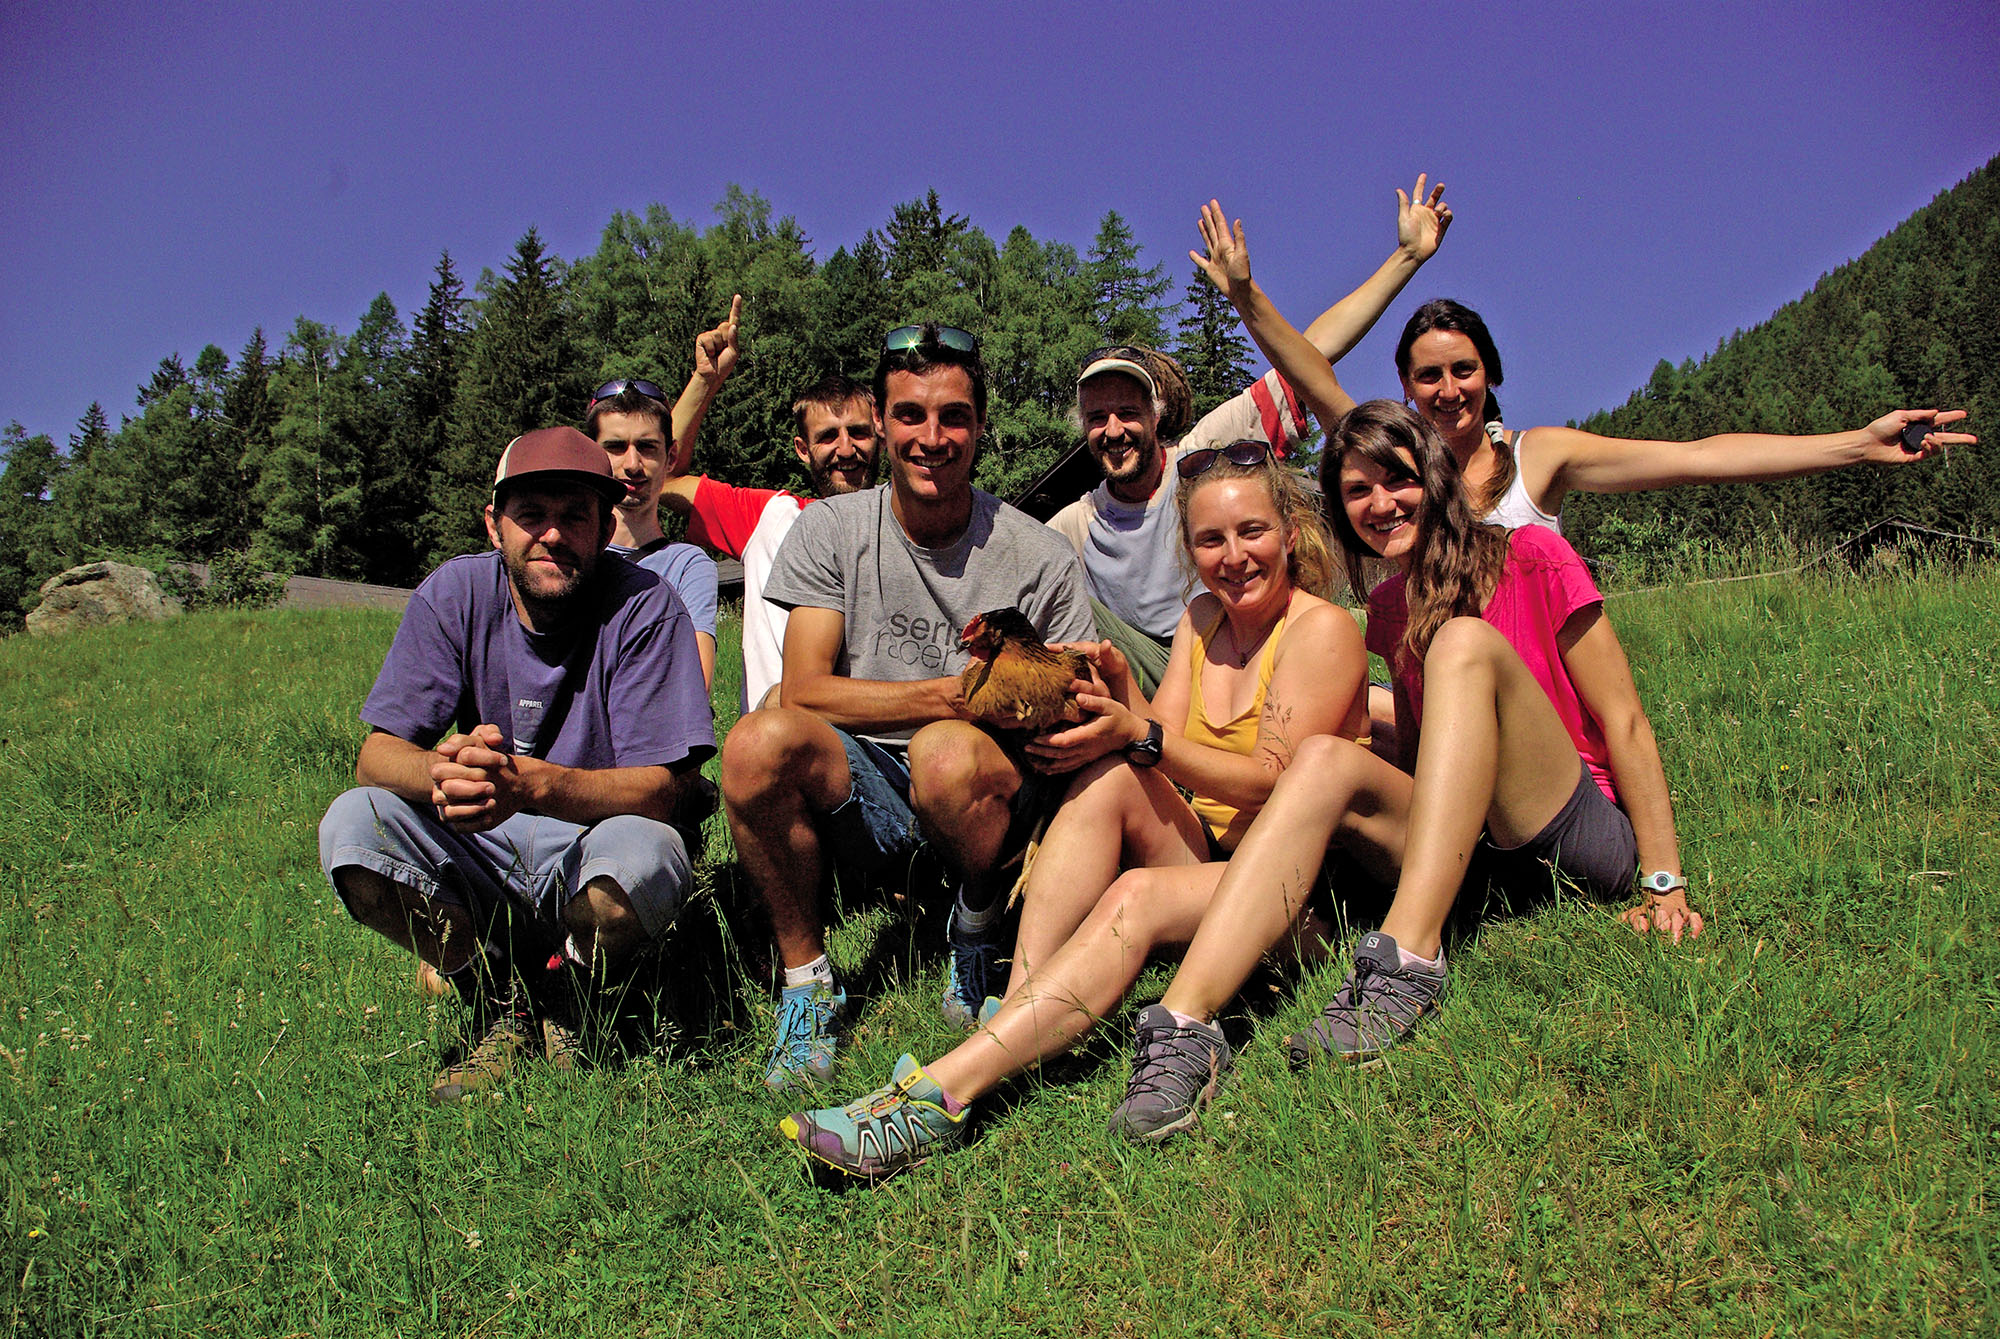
(213, 1086)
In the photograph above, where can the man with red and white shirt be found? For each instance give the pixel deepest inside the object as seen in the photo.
(834, 437)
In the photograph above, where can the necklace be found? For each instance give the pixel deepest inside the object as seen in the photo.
(1243, 653)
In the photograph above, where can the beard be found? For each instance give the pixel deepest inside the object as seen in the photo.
(1136, 463)
(831, 478)
(552, 596)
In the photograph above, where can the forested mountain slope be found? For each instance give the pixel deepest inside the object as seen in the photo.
(1913, 322)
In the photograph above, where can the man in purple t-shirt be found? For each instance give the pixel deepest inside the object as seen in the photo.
(533, 728)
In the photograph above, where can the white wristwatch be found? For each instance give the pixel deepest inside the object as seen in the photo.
(1659, 883)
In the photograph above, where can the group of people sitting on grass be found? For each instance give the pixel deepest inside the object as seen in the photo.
(1218, 780)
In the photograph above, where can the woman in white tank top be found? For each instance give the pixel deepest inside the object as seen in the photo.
(1449, 366)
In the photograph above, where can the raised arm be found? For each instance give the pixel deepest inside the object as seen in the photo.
(1421, 221)
(1227, 265)
(715, 354)
(1584, 462)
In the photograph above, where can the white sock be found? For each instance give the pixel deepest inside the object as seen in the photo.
(1410, 959)
(819, 970)
(974, 922)
(1189, 1020)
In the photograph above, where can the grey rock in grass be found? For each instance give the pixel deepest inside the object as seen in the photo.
(99, 595)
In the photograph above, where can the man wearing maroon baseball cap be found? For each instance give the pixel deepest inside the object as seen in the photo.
(534, 727)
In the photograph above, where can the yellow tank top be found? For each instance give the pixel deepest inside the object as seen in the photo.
(1236, 735)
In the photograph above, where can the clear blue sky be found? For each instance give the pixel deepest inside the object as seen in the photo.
(1630, 183)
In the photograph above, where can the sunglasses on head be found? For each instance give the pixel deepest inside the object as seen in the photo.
(611, 389)
(1236, 453)
(906, 337)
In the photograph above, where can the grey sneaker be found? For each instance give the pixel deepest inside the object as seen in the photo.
(1377, 1006)
(1176, 1069)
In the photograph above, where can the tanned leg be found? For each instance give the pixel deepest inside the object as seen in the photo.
(782, 771)
(1334, 791)
(1085, 979)
(1493, 755)
(1114, 817)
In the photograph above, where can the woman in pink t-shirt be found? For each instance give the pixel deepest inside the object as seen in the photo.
(1521, 734)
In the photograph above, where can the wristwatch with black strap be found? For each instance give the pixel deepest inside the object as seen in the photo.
(1146, 752)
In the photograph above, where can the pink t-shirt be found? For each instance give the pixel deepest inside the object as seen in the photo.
(1543, 584)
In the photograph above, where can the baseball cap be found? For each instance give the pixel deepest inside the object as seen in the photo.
(556, 455)
(1121, 358)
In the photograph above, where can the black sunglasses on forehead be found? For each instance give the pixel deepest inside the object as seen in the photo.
(905, 337)
(615, 388)
(1200, 462)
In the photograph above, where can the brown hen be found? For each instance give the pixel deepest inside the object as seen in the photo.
(1014, 681)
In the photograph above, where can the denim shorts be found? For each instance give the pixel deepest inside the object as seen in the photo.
(873, 830)
(875, 833)
(534, 863)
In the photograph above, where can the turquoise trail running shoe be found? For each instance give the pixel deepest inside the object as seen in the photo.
(888, 1131)
(805, 1044)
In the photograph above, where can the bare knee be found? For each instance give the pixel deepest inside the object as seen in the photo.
(771, 751)
(1327, 762)
(954, 766)
(1127, 911)
(1462, 643)
(602, 919)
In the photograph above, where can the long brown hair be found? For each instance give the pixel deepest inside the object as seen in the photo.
(1310, 565)
(1445, 314)
(1456, 561)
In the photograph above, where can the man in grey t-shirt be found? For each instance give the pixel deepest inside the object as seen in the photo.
(873, 750)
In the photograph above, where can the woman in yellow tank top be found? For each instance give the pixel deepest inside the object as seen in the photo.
(1260, 662)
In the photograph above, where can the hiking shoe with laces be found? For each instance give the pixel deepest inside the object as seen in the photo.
(562, 1047)
(973, 974)
(888, 1131)
(1377, 1006)
(1176, 1070)
(506, 1040)
(805, 1045)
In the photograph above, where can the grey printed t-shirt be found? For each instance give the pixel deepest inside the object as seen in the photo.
(905, 605)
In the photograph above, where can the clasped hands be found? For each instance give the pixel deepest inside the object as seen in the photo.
(476, 784)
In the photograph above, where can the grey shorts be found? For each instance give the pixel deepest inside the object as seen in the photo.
(534, 863)
(1588, 843)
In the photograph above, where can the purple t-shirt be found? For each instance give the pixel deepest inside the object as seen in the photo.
(621, 689)
(1543, 583)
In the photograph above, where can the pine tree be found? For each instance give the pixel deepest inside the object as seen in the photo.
(520, 373)
(1211, 348)
(76, 506)
(28, 552)
(1126, 301)
(250, 417)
